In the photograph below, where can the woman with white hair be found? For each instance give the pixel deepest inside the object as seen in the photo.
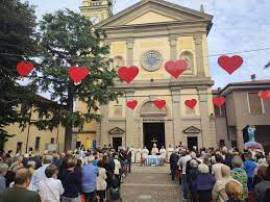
(239, 174)
(204, 182)
(219, 193)
(192, 173)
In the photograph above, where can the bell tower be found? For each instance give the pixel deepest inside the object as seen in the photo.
(96, 10)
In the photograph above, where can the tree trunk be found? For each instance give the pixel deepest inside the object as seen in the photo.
(69, 140)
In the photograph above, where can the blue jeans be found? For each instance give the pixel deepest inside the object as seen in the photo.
(184, 186)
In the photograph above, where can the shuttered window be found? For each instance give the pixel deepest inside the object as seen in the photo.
(255, 104)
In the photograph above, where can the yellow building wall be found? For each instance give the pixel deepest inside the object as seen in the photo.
(188, 94)
(118, 48)
(45, 138)
(143, 45)
(112, 105)
(88, 133)
(143, 96)
(187, 44)
(205, 56)
(150, 17)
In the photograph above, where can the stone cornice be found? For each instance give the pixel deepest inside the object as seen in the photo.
(159, 26)
(166, 83)
(157, 31)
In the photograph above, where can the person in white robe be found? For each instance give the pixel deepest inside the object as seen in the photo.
(154, 150)
(163, 153)
(169, 152)
(138, 155)
(132, 150)
(144, 155)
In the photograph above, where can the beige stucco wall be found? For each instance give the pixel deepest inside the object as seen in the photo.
(45, 137)
(87, 134)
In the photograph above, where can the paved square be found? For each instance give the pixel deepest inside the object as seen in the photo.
(150, 184)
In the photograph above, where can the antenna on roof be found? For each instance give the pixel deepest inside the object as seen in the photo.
(253, 77)
(267, 65)
(202, 8)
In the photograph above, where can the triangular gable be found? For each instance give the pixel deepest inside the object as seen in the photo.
(160, 9)
(150, 17)
(116, 131)
(192, 130)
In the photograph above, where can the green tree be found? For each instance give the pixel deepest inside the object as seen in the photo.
(17, 41)
(69, 39)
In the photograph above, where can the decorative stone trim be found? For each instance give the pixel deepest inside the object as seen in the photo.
(192, 130)
(116, 131)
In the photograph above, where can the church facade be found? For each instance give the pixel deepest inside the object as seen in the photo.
(147, 35)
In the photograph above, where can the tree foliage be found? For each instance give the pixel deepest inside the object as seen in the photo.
(69, 39)
(17, 42)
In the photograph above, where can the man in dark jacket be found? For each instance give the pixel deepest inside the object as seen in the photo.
(173, 164)
(19, 192)
(110, 166)
(129, 156)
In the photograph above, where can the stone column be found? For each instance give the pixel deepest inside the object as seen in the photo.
(206, 128)
(173, 47)
(199, 55)
(130, 45)
(131, 125)
(176, 116)
(239, 137)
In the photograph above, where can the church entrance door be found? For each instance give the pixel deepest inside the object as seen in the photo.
(192, 142)
(154, 133)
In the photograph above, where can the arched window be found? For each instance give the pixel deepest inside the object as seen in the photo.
(188, 56)
(118, 61)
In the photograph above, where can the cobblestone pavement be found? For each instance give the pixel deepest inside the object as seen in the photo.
(150, 184)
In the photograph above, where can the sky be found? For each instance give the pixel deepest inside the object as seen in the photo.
(240, 26)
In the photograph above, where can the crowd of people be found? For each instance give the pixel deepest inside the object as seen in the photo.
(74, 176)
(205, 175)
(221, 175)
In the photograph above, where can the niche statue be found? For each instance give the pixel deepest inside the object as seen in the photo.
(252, 144)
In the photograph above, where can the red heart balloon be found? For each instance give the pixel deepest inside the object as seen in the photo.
(191, 103)
(176, 68)
(160, 103)
(219, 101)
(265, 94)
(128, 74)
(132, 104)
(24, 68)
(230, 64)
(77, 74)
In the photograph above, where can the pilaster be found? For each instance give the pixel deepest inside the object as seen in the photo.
(131, 125)
(130, 47)
(207, 134)
(199, 55)
(173, 47)
(176, 116)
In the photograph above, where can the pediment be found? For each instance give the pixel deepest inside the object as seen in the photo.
(192, 130)
(151, 17)
(116, 131)
(152, 12)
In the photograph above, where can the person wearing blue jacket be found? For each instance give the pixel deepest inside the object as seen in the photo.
(205, 183)
(89, 180)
